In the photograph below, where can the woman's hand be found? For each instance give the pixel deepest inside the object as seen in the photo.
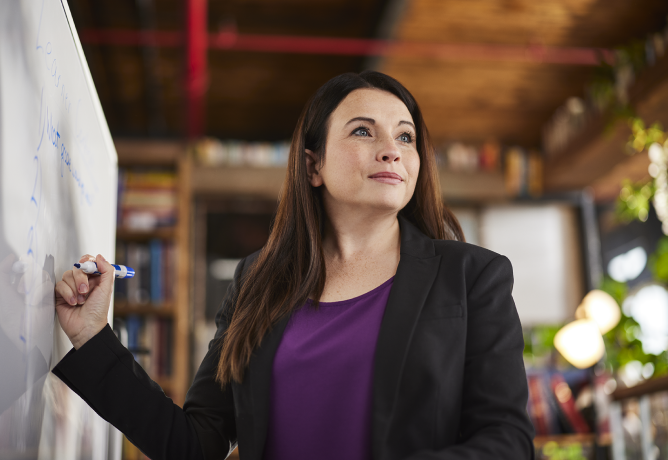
(82, 302)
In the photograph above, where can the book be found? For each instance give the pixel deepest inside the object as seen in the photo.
(156, 271)
(515, 171)
(490, 156)
(150, 342)
(213, 152)
(143, 294)
(540, 412)
(566, 405)
(132, 284)
(523, 172)
(154, 265)
(146, 199)
(133, 325)
(169, 271)
(120, 285)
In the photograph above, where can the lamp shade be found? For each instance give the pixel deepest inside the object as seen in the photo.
(581, 343)
(601, 308)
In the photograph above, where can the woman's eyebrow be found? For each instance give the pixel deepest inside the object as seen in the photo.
(373, 122)
(369, 120)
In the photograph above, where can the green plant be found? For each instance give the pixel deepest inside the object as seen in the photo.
(622, 343)
(658, 261)
(539, 340)
(641, 137)
(553, 451)
(634, 200)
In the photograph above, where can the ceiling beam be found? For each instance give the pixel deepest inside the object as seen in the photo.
(229, 39)
(196, 65)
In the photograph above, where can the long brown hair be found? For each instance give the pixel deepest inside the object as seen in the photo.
(291, 266)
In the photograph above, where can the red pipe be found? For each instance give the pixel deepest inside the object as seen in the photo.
(231, 40)
(196, 64)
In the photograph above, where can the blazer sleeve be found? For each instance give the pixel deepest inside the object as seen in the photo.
(494, 424)
(106, 376)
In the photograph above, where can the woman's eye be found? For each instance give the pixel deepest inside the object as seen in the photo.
(406, 137)
(361, 131)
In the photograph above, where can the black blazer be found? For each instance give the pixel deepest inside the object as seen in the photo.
(449, 379)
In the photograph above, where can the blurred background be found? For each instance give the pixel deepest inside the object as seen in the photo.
(548, 121)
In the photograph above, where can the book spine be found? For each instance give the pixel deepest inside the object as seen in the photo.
(156, 271)
(121, 286)
(169, 270)
(165, 272)
(566, 404)
(133, 324)
(540, 415)
(151, 345)
(144, 294)
(134, 282)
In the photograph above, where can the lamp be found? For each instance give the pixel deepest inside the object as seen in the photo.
(580, 342)
(600, 307)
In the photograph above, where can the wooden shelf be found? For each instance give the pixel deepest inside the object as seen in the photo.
(256, 182)
(125, 308)
(166, 233)
(267, 183)
(592, 156)
(148, 153)
(648, 387)
(475, 186)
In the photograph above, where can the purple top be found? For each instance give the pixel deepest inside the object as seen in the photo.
(321, 389)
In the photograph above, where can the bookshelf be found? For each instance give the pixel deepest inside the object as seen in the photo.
(266, 183)
(170, 155)
(168, 234)
(175, 308)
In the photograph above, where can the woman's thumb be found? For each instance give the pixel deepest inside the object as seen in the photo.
(107, 272)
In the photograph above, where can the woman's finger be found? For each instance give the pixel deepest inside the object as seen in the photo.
(93, 282)
(68, 278)
(87, 258)
(65, 291)
(81, 283)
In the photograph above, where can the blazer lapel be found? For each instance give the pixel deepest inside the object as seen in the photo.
(415, 275)
(254, 395)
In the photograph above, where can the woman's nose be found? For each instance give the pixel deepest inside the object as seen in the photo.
(388, 153)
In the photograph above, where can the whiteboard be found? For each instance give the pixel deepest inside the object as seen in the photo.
(58, 174)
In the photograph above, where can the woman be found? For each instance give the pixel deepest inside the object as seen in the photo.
(363, 329)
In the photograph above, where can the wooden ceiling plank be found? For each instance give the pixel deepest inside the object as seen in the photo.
(633, 168)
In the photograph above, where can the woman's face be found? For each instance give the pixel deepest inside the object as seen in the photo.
(371, 159)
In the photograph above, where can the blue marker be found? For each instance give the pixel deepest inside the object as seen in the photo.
(121, 271)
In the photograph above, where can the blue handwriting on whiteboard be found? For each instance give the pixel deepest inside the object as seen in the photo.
(53, 137)
(51, 63)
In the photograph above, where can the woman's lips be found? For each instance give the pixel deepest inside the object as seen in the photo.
(387, 178)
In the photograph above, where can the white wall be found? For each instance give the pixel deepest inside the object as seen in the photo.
(543, 245)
